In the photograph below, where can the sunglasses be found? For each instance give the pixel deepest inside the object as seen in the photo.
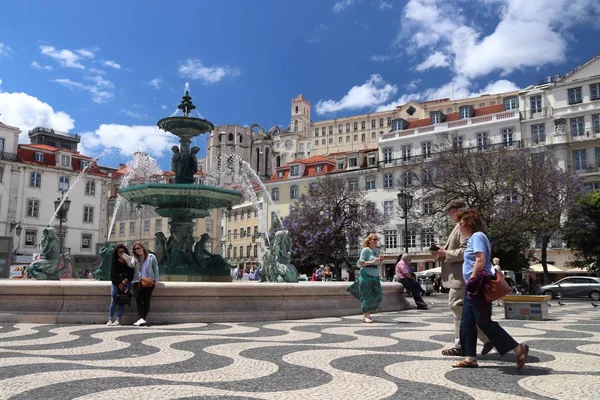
(137, 248)
(375, 239)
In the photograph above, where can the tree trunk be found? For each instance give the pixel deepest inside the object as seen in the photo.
(545, 241)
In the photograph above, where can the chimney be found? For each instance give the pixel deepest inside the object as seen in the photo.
(121, 166)
(549, 79)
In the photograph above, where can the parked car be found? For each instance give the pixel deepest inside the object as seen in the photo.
(574, 286)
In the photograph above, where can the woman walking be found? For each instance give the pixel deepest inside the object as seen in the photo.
(367, 288)
(477, 312)
(121, 275)
(144, 279)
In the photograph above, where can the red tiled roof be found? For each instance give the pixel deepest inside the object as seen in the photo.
(41, 146)
(311, 160)
(455, 116)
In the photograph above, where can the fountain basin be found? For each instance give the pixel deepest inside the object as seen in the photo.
(181, 200)
(185, 127)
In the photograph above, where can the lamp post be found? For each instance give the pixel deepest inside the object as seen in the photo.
(61, 214)
(16, 226)
(139, 209)
(406, 202)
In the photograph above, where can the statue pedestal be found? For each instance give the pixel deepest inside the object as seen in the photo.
(197, 278)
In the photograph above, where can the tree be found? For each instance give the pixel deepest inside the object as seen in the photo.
(582, 230)
(324, 221)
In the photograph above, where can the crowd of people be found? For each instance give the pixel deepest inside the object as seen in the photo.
(466, 270)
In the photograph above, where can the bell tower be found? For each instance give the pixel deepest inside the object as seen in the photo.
(300, 121)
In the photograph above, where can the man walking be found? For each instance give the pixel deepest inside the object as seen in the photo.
(451, 255)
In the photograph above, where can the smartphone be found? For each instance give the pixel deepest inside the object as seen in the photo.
(434, 247)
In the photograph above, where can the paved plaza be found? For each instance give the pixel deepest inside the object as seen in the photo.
(398, 356)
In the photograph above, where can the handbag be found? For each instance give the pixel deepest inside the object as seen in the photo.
(496, 288)
(123, 298)
(147, 282)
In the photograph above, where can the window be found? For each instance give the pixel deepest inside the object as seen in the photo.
(314, 186)
(397, 125)
(389, 121)
(319, 168)
(391, 239)
(63, 183)
(362, 125)
(331, 129)
(280, 174)
(596, 123)
(481, 105)
(249, 213)
(294, 192)
(482, 141)
(235, 252)
(242, 215)
(449, 110)
(353, 184)
(121, 228)
(131, 227)
(355, 138)
(580, 159)
(323, 142)
(235, 233)
(595, 91)
(83, 164)
(33, 208)
(387, 155)
(316, 131)
(90, 188)
(388, 181)
(373, 124)
(381, 122)
(406, 152)
(355, 126)
(146, 226)
(1, 174)
(370, 183)
(535, 103)
(65, 161)
(340, 165)
(348, 139)
(457, 142)
(427, 238)
(38, 157)
(538, 133)
(35, 179)
(316, 143)
(465, 112)
(389, 207)
(427, 208)
(373, 135)
(248, 249)
(575, 95)
(275, 194)
(411, 238)
(86, 241)
(363, 137)
(340, 128)
(407, 177)
(242, 233)
(88, 214)
(426, 150)
(158, 225)
(577, 127)
(426, 176)
(435, 118)
(511, 104)
(352, 162)
(30, 237)
(348, 127)
(235, 216)
(507, 136)
(330, 140)
(255, 251)
(371, 161)
(209, 225)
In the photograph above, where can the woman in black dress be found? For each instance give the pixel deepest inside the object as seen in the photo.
(121, 275)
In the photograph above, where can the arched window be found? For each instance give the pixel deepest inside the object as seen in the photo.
(296, 126)
(240, 138)
(266, 161)
(278, 160)
(257, 160)
(230, 137)
(296, 109)
(275, 194)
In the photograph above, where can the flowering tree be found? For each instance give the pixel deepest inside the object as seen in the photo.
(582, 230)
(323, 222)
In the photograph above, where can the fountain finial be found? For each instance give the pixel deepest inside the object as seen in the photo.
(186, 104)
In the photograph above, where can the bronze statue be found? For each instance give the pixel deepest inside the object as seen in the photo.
(47, 268)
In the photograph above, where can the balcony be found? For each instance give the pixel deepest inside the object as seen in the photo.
(445, 126)
(8, 156)
(590, 168)
(558, 138)
(535, 114)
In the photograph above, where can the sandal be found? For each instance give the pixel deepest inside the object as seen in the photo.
(454, 352)
(465, 364)
(487, 348)
(367, 320)
(522, 357)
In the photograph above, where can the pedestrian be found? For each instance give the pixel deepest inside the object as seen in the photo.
(498, 270)
(403, 275)
(350, 276)
(367, 288)
(121, 275)
(477, 312)
(314, 275)
(145, 277)
(451, 255)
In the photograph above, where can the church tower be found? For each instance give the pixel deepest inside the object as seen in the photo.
(300, 122)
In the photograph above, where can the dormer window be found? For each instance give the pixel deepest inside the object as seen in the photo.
(38, 157)
(511, 103)
(340, 165)
(436, 117)
(466, 112)
(280, 174)
(352, 162)
(294, 170)
(319, 168)
(65, 161)
(399, 124)
(83, 164)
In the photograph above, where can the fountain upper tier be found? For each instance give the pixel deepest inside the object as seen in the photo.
(181, 200)
(185, 127)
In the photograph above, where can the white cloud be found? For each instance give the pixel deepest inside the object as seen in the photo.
(85, 53)
(155, 83)
(370, 94)
(26, 112)
(66, 58)
(134, 114)
(127, 140)
(5, 50)
(101, 90)
(412, 85)
(385, 5)
(163, 107)
(384, 57)
(36, 65)
(112, 64)
(341, 5)
(528, 33)
(96, 71)
(194, 69)
(436, 60)
(316, 33)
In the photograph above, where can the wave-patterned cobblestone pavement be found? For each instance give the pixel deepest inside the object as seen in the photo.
(396, 357)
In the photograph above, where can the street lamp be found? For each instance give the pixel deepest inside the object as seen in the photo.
(406, 202)
(62, 208)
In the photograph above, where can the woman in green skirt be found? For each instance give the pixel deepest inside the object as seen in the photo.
(367, 287)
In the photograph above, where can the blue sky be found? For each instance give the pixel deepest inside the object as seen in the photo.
(109, 70)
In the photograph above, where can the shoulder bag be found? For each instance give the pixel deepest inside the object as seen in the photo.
(123, 298)
(496, 287)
